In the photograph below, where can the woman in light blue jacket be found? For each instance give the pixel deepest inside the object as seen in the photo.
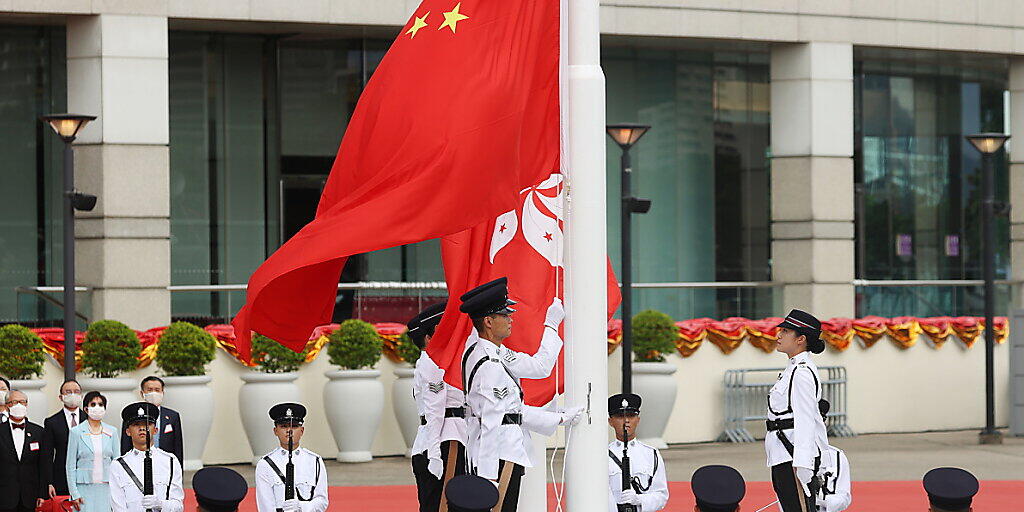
(91, 448)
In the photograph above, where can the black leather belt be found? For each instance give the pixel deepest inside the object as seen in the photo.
(773, 425)
(512, 419)
(450, 412)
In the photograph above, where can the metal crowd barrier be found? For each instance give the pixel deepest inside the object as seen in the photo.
(747, 389)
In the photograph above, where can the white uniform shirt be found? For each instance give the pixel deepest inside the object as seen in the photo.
(126, 496)
(800, 403)
(433, 395)
(495, 391)
(647, 469)
(834, 495)
(310, 481)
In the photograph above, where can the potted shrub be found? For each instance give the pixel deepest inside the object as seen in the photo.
(110, 349)
(270, 383)
(183, 353)
(354, 395)
(654, 337)
(21, 361)
(402, 401)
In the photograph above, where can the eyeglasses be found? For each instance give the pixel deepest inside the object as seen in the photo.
(23, 401)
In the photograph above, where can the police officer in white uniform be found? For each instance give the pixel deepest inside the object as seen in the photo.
(648, 485)
(796, 436)
(499, 437)
(127, 472)
(272, 470)
(439, 451)
(834, 494)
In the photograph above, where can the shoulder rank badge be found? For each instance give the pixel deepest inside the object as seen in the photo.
(500, 393)
(436, 387)
(509, 356)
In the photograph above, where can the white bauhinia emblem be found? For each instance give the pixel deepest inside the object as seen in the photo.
(541, 221)
(505, 228)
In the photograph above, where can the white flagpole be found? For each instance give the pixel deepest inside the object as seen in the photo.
(586, 255)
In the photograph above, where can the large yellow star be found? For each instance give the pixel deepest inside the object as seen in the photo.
(452, 17)
(417, 24)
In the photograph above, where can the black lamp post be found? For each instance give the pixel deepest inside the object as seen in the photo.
(626, 135)
(67, 127)
(988, 144)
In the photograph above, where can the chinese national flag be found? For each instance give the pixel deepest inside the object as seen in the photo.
(461, 114)
(525, 245)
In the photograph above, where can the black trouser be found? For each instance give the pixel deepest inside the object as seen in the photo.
(510, 475)
(789, 491)
(428, 486)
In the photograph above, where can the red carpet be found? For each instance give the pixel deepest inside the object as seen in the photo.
(995, 496)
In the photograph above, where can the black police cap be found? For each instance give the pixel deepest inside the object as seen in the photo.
(950, 488)
(470, 493)
(623, 402)
(717, 488)
(805, 323)
(288, 413)
(219, 489)
(424, 323)
(139, 412)
(487, 299)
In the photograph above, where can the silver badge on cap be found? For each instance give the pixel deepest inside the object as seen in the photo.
(142, 412)
(625, 403)
(288, 412)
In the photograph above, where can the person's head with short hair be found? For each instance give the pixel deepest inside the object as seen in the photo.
(717, 488)
(488, 307)
(17, 405)
(70, 394)
(138, 418)
(5, 389)
(288, 418)
(950, 489)
(421, 328)
(152, 390)
(218, 489)
(799, 332)
(624, 415)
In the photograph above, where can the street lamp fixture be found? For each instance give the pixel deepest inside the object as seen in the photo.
(67, 126)
(626, 135)
(988, 144)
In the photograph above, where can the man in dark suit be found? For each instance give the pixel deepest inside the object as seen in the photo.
(55, 433)
(23, 469)
(168, 425)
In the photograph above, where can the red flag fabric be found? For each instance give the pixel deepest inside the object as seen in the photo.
(462, 111)
(525, 245)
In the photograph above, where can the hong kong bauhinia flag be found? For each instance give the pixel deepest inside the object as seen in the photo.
(460, 116)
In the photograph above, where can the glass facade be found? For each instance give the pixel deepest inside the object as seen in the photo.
(703, 165)
(918, 180)
(33, 78)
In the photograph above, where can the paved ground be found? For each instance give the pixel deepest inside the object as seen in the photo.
(874, 457)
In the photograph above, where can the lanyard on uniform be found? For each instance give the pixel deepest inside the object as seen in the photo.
(280, 475)
(131, 474)
(635, 481)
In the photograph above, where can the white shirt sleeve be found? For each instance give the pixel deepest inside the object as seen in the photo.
(657, 496)
(175, 501)
(842, 498)
(541, 421)
(265, 480)
(433, 409)
(805, 414)
(118, 501)
(539, 365)
(491, 412)
(319, 502)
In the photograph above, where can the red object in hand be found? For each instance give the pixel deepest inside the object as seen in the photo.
(57, 504)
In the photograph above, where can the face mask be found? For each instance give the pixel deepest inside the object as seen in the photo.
(18, 411)
(72, 400)
(96, 412)
(155, 398)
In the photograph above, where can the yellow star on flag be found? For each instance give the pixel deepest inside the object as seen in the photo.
(417, 24)
(452, 17)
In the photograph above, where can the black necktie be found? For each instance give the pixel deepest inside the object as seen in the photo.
(18, 425)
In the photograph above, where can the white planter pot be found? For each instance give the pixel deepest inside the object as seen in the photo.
(119, 393)
(656, 385)
(260, 392)
(191, 397)
(37, 402)
(354, 401)
(404, 406)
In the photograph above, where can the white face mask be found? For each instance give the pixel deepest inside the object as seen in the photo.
(96, 412)
(18, 411)
(154, 397)
(72, 400)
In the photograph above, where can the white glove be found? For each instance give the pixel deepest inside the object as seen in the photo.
(555, 314)
(151, 502)
(291, 505)
(804, 475)
(571, 416)
(629, 497)
(436, 467)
